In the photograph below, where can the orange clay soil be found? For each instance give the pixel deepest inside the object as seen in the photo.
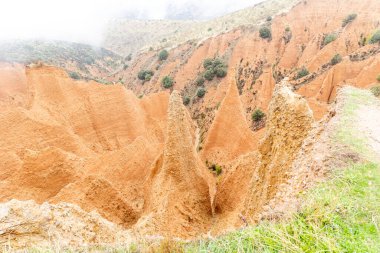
(141, 163)
(135, 161)
(257, 64)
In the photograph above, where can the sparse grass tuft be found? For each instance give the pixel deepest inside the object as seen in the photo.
(336, 59)
(375, 38)
(302, 73)
(349, 19)
(329, 38)
(376, 90)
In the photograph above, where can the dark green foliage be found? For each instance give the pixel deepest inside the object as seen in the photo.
(125, 66)
(287, 29)
(201, 92)
(74, 75)
(302, 72)
(336, 59)
(200, 80)
(63, 54)
(210, 29)
(207, 63)
(167, 82)
(209, 74)
(145, 75)
(329, 38)
(216, 168)
(349, 19)
(269, 18)
(214, 67)
(257, 115)
(376, 91)
(163, 55)
(265, 32)
(186, 100)
(375, 37)
(221, 72)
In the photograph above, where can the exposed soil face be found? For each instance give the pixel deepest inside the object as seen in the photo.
(144, 163)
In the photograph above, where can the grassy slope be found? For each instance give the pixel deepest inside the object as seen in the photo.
(340, 215)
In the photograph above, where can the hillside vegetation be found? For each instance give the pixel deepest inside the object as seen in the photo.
(85, 60)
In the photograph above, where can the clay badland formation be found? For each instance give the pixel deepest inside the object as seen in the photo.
(150, 165)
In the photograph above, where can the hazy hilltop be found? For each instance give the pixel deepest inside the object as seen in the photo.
(125, 36)
(86, 60)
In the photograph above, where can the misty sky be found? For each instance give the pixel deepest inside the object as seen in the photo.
(84, 20)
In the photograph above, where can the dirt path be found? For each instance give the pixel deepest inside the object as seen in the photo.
(369, 123)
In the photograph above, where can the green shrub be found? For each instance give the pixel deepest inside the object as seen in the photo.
(269, 18)
(349, 19)
(336, 59)
(329, 38)
(302, 72)
(209, 74)
(167, 82)
(217, 169)
(376, 91)
(378, 78)
(221, 72)
(129, 57)
(207, 63)
(163, 55)
(200, 80)
(186, 100)
(257, 115)
(214, 67)
(201, 92)
(287, 29)
(265, 32)
(74, 75)
(375, 37)
(148, 77)
(145, 75)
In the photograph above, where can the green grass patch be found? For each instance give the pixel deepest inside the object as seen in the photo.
(341, 215)
(346, 132)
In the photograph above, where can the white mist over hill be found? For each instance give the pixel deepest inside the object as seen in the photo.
(85, 20)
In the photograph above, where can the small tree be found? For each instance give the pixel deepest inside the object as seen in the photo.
(201, 92)
(167, 82)
(74, 75)
(221, 72)
(375, 37)
(207, 63)
(200, 80)
(209, 74)
(336, 59)
(265, 32)
(186, 100)
(257, 115)
(163, 55)
(329, 38)
(302, 72)
(349, 19)
(269, 18)
(145, 75)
